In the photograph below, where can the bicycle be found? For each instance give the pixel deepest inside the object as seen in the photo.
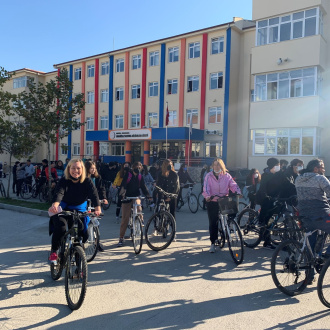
(72, 257)
(111, 194)
(228, 228)
(28, 191)
(293, 261)
(161, 227)
(135, 224)
(189, 198)
(2, 189)
(283, 219)
(323, 284)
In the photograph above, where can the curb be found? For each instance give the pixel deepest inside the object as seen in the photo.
(22, 209)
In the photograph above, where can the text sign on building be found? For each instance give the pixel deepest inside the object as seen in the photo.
(130, 134)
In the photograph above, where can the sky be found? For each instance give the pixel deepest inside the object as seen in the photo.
(37, 34)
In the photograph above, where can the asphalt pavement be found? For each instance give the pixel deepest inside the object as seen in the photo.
(182, 287)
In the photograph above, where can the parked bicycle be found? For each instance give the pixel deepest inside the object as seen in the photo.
(111, 193)
(28, 191)
(2, 189)
(323, 284)
(294, 261)
(161, 227)
(283, 219)
(135, 224)
(189, 198)
(72, 257)
(228, 229)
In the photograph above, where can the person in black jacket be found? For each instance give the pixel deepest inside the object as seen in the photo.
(253, 183)
(184, 177)
(71, 193)
(130, 187)
(168, 180)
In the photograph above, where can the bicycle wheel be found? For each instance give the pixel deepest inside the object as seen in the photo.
(2, 190)
(160, 230)
(290, 267)
(323, 285)
(221, 236)
(56, 269)
(241, 206)
(26, 191)
(34, 191)
(92, 243)
(76, 277)
(137, 234)
(43, 194)
(249, 224)
(193, 203)
(235, 241)
(200, 200)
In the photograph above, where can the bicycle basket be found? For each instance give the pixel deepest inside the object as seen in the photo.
(228, 205)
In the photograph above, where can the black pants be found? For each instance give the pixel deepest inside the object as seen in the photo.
(19, 186)
(266, 212)
(14, 184)
(28, 180)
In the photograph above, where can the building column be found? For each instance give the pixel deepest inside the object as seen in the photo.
(96, 150)
(146, 153)
(128, 151)
(188, 152)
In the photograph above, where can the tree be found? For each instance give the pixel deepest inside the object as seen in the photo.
(50, 108)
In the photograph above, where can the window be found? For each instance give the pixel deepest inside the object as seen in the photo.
(64, 149)
(89, 149)
(77, 74)
(90, 71)
(215, 115)
(104, 68)
(76, 149)
(296, 83)
(217, 45)
(195, 149)
(297, 25)
(152, 119)
(213, 149)
(104, 149)
(286, 141)
(194, 50)
(172, 86)
(104, 95)
(119, 93)
(89, 123)
(153, 89)
(173, 54)
(136, 62)
(192, 113)
(172, 119)
(104, 122)
(90, 97)
(216, 80)
(193, 84)
(77, 120)
(154, 58)
(119, 121)
(118, 148)
(20, 82)
(135, 91)
(120, 65)
(135, 120)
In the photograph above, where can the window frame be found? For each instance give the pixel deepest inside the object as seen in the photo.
(120, 145)
(221, 42)
(120, 65)
(135, 91)
(136, 62)
(119, 93)
(172, 82)
(89, 123)
(218, 76)
(77, 74)
(216, 109)
(173, 54)
(89, 149)
(154, 58)
(153, 118)
(137, 118)
(105, 68)
(90, 71)
(192, 52)
(76, 149)
(119, 119)
(152, 87)
(104, 122)
(195, 114)
(90, 97)
(173, 118)
(104, 96)
(191, 80)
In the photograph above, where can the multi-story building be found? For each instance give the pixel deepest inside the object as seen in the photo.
(247, 91)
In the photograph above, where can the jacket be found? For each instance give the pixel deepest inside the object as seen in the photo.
(99, 184)
(169, 183)
(219, 186)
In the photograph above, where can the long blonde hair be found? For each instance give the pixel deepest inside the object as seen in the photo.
(67, 170)
(88, 166)
(166, 162)
(222, 164)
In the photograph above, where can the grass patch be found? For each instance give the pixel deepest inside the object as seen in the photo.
(31, 205)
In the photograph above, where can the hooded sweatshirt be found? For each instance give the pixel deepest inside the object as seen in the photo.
(312, 190)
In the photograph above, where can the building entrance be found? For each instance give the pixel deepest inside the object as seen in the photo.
(136, 152)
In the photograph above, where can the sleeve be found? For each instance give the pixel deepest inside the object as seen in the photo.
(124, 182)
(206, 186)
(60, 190)
(233, 186)
(325, 185)
(144, 188)
(116, 182)
(177, 187)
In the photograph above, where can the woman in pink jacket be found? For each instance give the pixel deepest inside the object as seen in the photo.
(217, 182)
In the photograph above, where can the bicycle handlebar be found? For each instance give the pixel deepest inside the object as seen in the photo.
(167, 194)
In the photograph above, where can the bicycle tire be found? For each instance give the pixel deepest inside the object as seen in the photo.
(200, 200)
(323, 285)
(235, 241)
(221, 236)
(249, 224)
(92, 243)
(34, 191)
(193, 203)
(241, 206)
(56, 270)
(160, 230)
(290, 268)
(76, 278)
(137, 235)
(2, 190)
(43, 194)
(26, 191)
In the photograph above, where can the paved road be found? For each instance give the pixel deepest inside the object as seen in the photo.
(182, 287)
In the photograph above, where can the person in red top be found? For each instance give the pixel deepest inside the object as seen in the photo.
(53, 173)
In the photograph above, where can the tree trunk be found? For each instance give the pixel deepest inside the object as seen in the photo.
(9, 176)
(49, 174)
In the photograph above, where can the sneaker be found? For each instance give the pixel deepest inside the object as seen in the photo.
(121, 242)
(269, 246)
(155, 233)
(212, 248)
(53, 258)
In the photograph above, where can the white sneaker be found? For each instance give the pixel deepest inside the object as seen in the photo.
(212, 248)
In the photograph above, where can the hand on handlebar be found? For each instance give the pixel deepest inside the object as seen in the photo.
(97, 210)
(104, 201)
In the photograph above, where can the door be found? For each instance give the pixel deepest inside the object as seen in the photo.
(136, 152)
